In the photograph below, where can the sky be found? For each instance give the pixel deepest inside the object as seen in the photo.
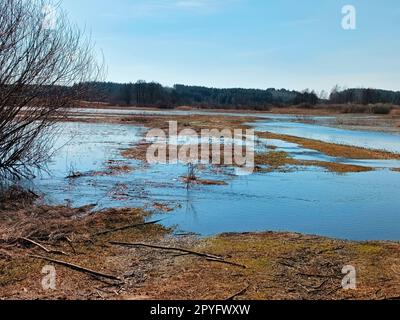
(293, 44)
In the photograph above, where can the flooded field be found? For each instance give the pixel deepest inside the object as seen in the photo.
(365, 139)
(356, 206)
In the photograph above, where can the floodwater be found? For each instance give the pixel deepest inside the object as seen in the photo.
(356, 206)
(365, 139)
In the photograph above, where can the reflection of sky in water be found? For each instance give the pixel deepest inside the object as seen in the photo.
(356, 206)
(84, 147)
(367, 139)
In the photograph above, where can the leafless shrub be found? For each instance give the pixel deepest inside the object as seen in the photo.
(42, 68)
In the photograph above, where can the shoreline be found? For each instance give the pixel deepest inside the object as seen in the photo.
(261, 265)
(279, 265)
(351, 121)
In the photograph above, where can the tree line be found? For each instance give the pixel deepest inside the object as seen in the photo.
(364, 96)
(152, 94)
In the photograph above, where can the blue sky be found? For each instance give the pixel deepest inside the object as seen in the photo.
(294, 44)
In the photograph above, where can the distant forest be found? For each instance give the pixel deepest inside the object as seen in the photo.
(152, 94)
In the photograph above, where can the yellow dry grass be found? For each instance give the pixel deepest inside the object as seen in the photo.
(333, 149)
(276, 160)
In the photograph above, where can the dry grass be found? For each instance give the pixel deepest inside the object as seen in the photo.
(112, 169)
(53, 223)
(274, 159)
(335, 167)
(74, 232)
(205, 182)
(332, 149)
(15, 197)
(195, 122)
(278, 160)
(137, 152)
(281, 266)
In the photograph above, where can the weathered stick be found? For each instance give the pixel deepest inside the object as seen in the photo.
(126, 227)
(238, 293)
(43, 247)
(77, 268)
(127, 244)
(69, 241)
(209, 257)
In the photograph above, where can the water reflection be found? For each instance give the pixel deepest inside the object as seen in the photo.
(359, 206)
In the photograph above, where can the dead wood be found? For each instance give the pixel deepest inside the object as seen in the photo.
(77, 268)
(316, 275)
(43, 247)
(209, 257)
(69, 241)
(232, 297)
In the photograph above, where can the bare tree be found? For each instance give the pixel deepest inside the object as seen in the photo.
(44, 61)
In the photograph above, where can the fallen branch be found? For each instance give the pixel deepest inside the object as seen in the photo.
(313, 290)
(316, 275)
(285, 264)
(126, 227)
(209, 257)
(238, 293)
(127, 244)
(77, 268)
(43, 247)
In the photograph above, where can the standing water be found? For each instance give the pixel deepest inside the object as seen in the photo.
(356, 206)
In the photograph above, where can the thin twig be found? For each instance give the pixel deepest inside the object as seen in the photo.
(127, 244)
(77, 268)
(69, 241)
(43, 247)
(316, 275)
(238, 293)
(209, 257)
